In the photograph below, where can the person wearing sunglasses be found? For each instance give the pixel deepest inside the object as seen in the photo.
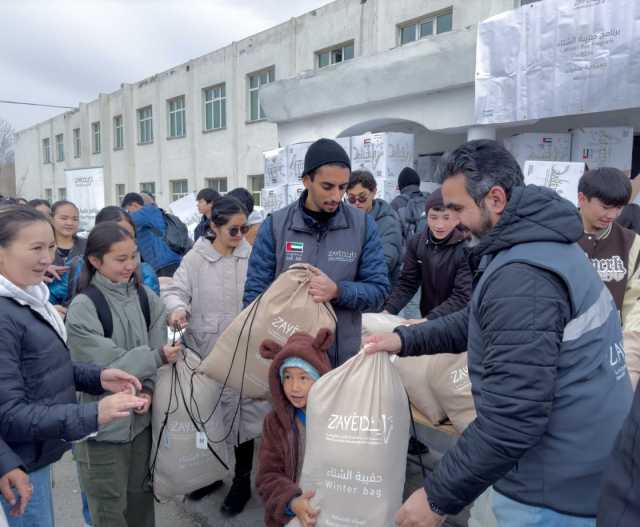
(205, 297)
(361, 193)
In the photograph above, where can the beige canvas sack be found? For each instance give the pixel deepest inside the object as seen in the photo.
(437, 385)
(282, 310)
(357, 431)
(183, 460)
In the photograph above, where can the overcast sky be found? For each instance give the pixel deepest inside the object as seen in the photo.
(63, 52)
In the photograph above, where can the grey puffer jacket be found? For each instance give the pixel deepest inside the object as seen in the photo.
(209, 287)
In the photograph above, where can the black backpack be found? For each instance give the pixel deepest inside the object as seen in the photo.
(176, 234)
(104, 311)
(412, 214)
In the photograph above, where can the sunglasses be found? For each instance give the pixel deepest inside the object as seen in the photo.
(234, 231)
(360, 199)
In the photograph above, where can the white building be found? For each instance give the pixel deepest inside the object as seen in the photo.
(349, 67)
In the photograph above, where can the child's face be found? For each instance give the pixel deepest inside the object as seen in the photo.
(296, 385)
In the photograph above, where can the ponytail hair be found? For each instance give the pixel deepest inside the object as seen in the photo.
(101, 238)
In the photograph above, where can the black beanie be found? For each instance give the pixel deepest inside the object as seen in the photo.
(407, 177)
(324, 152)
(434, 201)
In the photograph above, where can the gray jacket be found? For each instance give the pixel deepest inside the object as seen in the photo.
(390, 231)
(131, 348)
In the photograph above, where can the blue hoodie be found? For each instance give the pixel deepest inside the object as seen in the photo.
(150, 231)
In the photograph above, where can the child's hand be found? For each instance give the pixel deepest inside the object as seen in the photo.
(301, 507)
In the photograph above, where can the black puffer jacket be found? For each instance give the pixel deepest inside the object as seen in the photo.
(535, 391)
(39, 414)
(390, 232)
(440, 269)
(8, 459)
(620, 499)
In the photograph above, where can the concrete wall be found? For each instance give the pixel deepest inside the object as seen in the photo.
(235, 152)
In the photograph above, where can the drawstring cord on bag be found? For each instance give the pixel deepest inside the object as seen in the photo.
(413, 427)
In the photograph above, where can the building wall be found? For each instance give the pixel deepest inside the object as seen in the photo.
(235, 152)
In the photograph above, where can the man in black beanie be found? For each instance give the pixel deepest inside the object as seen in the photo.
(410, 203)
(341, 241)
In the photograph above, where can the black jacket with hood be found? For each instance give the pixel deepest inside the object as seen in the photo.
(526, 381)
(440, 269)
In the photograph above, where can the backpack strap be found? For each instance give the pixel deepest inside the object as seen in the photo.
(144, 305)
(104, 311)
(102, 308)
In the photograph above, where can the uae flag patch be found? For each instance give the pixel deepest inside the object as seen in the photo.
(294, 247)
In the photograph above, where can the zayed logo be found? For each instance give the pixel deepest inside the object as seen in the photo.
(360, 429)
(338, 255)
(281, 329)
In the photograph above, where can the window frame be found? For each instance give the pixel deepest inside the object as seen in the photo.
(96, 138)
(270, 72)
(148, 186)
(256, 190)
(330, 54)
(76, 143)
(145, 123)
(416, 26)
(176, 116)
(118, 132)
(59, 147)
(216, 183)
(48, 195)
(221, 100)
(175, 196)
(46, 152)
(62, 193)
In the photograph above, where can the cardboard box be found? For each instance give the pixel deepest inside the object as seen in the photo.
(603, 147)
(559, 176)
(272, 199)
(383, 154)
(275, 168)
(426, 167)
(539, 147)
(293, 192)
(387, 189)
(295, 161)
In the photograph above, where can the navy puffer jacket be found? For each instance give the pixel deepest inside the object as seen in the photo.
(39, 414)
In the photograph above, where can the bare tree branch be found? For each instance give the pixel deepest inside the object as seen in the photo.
(7, 142)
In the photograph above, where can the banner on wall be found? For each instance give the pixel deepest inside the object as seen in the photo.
(558, 57)
(558, 176)
(85, 188)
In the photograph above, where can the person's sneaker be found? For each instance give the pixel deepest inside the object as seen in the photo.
(197, 495)
(239, 495)
(417, 448)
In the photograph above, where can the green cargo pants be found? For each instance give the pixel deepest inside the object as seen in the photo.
(112, 475)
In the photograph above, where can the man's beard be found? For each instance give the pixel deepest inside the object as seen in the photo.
(485, 223)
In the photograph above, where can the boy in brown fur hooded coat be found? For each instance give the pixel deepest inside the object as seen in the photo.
(294, 369)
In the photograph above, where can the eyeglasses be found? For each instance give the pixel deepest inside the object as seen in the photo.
(360, 199)
(234, 231)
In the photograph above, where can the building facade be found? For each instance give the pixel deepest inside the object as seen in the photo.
(349, 67)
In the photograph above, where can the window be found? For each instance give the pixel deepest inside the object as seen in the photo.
(76, 142)
(118, 133)
(62, 193)
(525, 2)
(150, 188)
(46, 150)
(60, 147)
(48, 194)
(255, 81)
(256, 184)
(95, 138)
(145, 125)
(177, 117)
(426, 27)
(215, 107)
(335, 55)
(179, 189)
(120, 193)
(217, 183)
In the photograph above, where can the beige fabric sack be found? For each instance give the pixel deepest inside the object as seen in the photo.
(282, 310)
(179, 463)
(357, 431)
(380, 323)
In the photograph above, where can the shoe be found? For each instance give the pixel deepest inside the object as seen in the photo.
(198, 494)
(417, 448)
(239, 495)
